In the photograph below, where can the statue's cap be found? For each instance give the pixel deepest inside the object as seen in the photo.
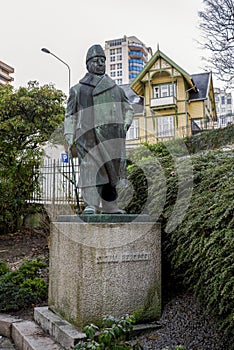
(94, 51)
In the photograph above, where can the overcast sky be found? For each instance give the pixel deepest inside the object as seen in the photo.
(68, 28)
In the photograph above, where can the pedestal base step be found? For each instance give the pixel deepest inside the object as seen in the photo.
(104, 218)
(66, 334)
(62, 331)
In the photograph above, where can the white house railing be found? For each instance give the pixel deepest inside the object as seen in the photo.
(163, 101)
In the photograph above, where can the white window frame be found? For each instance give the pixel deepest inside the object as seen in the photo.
(164, 90)
(133, 131)
(166, 126)
(156, 92)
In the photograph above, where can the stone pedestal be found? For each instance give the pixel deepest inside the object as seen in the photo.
(105, 268)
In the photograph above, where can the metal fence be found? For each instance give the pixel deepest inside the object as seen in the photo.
(56, 182)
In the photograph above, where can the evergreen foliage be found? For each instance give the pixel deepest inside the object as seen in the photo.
(3, 268)
(210, 140)
(23, 287)
(199, 251)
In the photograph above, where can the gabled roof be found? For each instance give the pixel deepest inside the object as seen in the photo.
(202, 81)
(137, 84)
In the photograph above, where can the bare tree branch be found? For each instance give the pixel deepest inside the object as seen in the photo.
(217, 26)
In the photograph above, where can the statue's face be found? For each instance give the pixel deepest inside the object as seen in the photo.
(97, 65)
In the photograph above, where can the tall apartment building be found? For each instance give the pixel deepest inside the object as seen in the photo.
(5, 71)
(224, 107)
(125, 58)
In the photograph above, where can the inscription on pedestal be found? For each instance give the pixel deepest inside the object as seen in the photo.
(124, 257)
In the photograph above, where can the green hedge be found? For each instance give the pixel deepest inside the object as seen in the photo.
(22, 287)
(210, 140)
(204, 141)
(200, 249)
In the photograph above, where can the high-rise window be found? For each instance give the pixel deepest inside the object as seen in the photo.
(112, 67)
(112, 58)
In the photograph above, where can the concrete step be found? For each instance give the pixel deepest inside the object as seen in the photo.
(48, 332)
(68, 335)
(26, 335)
(62, 331)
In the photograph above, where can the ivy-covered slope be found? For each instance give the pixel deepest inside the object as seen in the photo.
(200, 247)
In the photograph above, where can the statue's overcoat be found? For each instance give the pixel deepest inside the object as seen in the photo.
(98, 114)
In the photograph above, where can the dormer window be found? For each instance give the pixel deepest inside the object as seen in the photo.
(164, 90)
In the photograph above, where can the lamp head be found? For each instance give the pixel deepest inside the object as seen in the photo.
(45, 50)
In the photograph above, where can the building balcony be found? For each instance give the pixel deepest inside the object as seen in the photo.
(138, 47)
(163, 102)
(5, 67)
(5, 76)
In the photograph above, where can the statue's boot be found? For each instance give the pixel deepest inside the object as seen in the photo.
(89, 210)
(91, 200)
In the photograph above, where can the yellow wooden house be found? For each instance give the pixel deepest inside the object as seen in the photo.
(176, 104)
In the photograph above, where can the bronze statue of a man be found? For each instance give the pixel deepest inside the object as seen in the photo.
(97, 118)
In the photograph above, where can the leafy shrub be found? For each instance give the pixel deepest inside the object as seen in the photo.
(112, 335)
(28, 117)
(22, 287)
(3, 268)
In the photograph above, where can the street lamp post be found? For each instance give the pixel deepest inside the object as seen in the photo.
(71, 157)
(69, 69)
